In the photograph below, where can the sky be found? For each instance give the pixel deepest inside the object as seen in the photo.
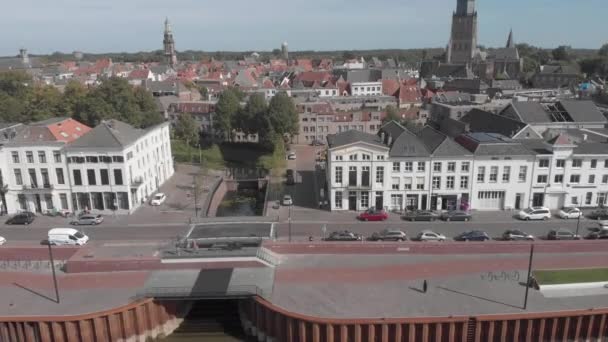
(45, 26)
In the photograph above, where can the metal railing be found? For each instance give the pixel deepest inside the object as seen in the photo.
(183, 292)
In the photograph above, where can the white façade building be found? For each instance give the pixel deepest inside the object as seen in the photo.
(116, 167)
(398, 169)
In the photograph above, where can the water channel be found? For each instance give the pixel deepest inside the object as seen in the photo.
(243, 202)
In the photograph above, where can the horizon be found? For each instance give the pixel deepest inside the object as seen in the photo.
(335, 25)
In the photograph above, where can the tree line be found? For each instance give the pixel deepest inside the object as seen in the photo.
(23, 100)
(269, 121)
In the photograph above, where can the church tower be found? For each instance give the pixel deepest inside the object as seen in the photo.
(463, 40)
(169, 45)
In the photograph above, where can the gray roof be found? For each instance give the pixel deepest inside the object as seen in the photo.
(492, 144)
(453, 70)
(363, 75)
(49, 121)
(439, 144)
(537, 146)
(16, 63)
(579, 111)
(531, 112)
(163, 102)
(409, 145)
(109, 134)
(482, 121)
(558, 69)
(583, 111)
(505, 54)
(162, 86)
(351, 137)
(392, 129)
(591, 148)
(505, 84)
(508, 149)
(5, 125)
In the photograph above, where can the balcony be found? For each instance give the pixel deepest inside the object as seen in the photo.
(37, 187)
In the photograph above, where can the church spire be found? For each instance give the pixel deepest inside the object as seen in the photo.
(465, 7)
(169, 45)
(510, 41)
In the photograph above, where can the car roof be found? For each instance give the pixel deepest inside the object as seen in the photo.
(61, 231)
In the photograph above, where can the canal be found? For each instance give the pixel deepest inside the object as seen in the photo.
(245, 201)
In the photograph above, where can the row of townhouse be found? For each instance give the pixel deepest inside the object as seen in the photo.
(397, 169)
(61, 164)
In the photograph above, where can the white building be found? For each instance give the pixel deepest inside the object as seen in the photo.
(366, 88)
(398, 169)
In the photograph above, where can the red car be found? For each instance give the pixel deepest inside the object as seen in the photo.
(373, 215)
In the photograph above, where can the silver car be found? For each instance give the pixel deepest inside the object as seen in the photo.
(429, 235)
(88, 220)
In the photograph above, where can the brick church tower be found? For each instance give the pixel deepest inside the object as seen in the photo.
(463, 40)
(169, 45)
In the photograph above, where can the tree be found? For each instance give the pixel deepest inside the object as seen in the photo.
(391, 115)
(250, 119)
(226, 108)
(603, 50)
(348, 55)
(282, 115)
(42, 103)
(561, 53)
(186, 129)
(276, 52)
(594, 66)
(73, 95)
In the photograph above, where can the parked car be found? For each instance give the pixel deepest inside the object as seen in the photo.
(420, 215)
(158, 199)
(88, 219)
(473, 235)
(570, 213)
(389, 235)
(21, 218)
(456, 215)
(599, 214)
(562, 234)
(535, 213)
(291, 177)
(597, 233)
(373, 214)
(291, 156)
(429, 235)
(516, 235)
(317, 142)
(344, 235)
(287, 200)
(2, 241)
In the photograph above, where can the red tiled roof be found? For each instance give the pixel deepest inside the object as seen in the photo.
(268, 84)
(139, 74)
(343, 87)
(409, 94)
(390, 87)
(313, 76)
(68, 130)
(304, 63)
(561, 139)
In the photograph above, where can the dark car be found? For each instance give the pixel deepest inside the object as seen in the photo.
(562, 234)
(373, 214)
(456, 215)
(420, 215)
(597, 233)
(600, 214)
(473, 235)
(516, 235)
(317, 142)
(21, 218)
(389, 235)
(344, 235)
(291, 177)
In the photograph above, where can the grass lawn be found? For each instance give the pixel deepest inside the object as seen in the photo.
(585, 275)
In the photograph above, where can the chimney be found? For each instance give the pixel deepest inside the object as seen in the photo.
(390, 140)
(382, 136)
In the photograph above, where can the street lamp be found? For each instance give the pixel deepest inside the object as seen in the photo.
(578, 222)
(289, 219)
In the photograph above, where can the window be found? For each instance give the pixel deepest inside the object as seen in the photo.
(63, 198)
(606, 164)
(42, 157)
(338, 175)
(436, 182)
(464, 182)
(117, 176)
(558, 179)
(464, 167)
(118, 159)
(352, 175)
(15, 157)
(93, 159)
(591, 179)
(396, 167)
(338, 200)
(352, 157)
(57, 156)
(593, 164)
(605, 179)
(407, 183)
(365, 176)
(506, 174)
(437, 166)
(365, 200)
(33, 178)
(451, 167)
(574, 200)
(105, 178)
(59, 174)
(91, 177)
(379, 157)
(493, 174)
(561, 163)
(29, 156)
(408, 167)
(601, 198)
(395, 183)
(421, 167)
(523, 171)
(575, 178)
(588, 198)
(420, 183)
(339, 158)
(46, 182)
(18, 178)
(77, 177)
(366, 157)
(543, 163)
(577, 162)
(541, 179)
(380, 174)
(449, 183)
(481, 174)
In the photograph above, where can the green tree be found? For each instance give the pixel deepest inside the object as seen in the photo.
(225, 110)
(251, 118)
(74, 94)
(561, 53)
(282, 115)
(391, 115)
(11, 109)
(186, 129)
(15, 83)
(43, 103)
(603, 50)
(348, 55)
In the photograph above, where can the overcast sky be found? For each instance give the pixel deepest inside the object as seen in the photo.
(45, 26)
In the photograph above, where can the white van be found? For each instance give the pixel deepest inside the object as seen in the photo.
(67, 236)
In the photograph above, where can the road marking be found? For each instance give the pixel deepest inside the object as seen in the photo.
(134, 244)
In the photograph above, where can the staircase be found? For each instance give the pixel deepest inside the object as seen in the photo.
(212, 321)
(471, 329)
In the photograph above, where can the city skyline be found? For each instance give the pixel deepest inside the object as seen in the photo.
(334, 25)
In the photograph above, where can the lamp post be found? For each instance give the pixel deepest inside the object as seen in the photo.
(54, 275)
(528, 278)
(289, 219)
(578, 222)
